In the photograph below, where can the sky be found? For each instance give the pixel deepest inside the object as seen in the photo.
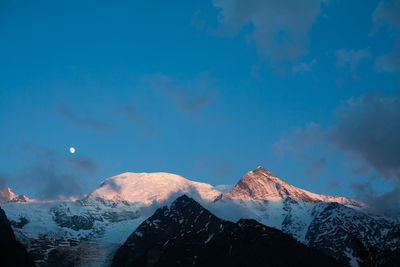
(205, 89)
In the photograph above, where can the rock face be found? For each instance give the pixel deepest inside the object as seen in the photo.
(346, 234)
(186, 234)
(88, 231)
(12, 252)
(93, 228)
(260, 184)
(338, 226)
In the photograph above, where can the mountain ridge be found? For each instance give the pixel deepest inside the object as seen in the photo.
(187, 234)
(56, 230)
(260, 184)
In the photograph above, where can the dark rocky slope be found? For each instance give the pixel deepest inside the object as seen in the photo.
(186, 234)
(12, 252)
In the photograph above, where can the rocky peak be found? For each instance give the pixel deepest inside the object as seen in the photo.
(261, 184)
(7, 195)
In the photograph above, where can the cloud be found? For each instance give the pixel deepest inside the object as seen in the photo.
(316, 167)
(350, 59)
(368, 131)
(390, 62)
(188, 97)
(280, 29)
(50, 175)
(333, 184)
(130, 113)
(387, 13)
(83, 164)
(66, 112)
(304, 67)
(369, 127)
(224, 188)
(199, 20)
(3, 180)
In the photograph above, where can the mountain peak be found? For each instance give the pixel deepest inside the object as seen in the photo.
(7, 195)
(261, 184)
(150, 187)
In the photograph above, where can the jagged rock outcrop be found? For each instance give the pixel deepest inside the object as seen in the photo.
(186, 234)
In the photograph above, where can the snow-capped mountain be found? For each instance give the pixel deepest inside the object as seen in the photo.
(260, 184)
(88, 231)
(340, 227)
(187, 234)
(7, 195)
(95, 226)
(151, 187)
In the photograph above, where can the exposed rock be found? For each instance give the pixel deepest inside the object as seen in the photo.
(186, 234)
(12, 252)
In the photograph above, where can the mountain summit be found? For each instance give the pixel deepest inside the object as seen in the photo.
(7, 195)
(261, 184)
(151, 187)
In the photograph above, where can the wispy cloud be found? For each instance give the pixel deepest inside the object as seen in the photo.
(390, 62)
(130, 113)
(387, 13)
(67, 113)
(187, 96)
(351, 59)
(304, 67)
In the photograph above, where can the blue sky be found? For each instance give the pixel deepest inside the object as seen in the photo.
(205, 89)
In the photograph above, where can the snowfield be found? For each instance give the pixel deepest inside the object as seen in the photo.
(95, 226)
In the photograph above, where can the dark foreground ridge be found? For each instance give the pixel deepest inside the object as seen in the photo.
(186, 234)
(12, 252)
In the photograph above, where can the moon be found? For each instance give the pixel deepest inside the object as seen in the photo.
(72, 150)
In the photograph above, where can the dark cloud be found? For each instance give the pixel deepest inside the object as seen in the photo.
(387, 13)
(130, 113)
(387, 203)
(67, 113)
(280, 28)
(188, 97)
(50, 175)
(83, 164)
(368, 131)
(369, 128)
